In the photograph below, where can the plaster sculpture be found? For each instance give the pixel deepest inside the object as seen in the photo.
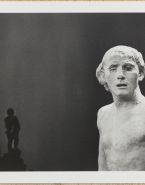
(122, 124)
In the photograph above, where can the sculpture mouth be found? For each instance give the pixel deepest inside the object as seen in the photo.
(121, 85)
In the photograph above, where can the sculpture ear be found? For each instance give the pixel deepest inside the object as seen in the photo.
(106, 87)
(141, 74)
(100, 74)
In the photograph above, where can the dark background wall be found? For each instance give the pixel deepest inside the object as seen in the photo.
(47, 74)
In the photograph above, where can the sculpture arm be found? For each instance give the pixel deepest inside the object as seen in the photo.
(102, 164)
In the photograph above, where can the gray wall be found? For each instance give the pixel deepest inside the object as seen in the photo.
(47, 74)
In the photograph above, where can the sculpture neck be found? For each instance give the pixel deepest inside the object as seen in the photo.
(128, 101)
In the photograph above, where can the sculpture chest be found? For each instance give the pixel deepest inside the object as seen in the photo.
(121, 132)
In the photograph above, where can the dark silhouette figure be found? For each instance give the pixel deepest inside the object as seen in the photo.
(12, 161)
(13, 127)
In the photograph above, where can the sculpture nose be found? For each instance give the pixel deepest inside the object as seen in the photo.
(121, 75)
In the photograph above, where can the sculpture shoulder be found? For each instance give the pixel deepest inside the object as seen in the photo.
(103, 110)
(140, 109)
(101, 114)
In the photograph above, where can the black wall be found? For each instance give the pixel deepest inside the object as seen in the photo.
(47, 74)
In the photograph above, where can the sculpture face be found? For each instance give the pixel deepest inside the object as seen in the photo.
(122, 75)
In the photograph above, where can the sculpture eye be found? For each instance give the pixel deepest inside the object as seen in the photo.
(113, 69)
(128, 67)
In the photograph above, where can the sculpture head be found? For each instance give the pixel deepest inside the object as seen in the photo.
(10, 112)
(120, 53)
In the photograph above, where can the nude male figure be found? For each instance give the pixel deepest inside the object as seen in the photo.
(122, 124)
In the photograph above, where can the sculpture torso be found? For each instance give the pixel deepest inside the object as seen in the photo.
(123, 138)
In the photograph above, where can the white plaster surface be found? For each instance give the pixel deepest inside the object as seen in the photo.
(122, 123)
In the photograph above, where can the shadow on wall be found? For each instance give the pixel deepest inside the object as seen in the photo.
(12, 161)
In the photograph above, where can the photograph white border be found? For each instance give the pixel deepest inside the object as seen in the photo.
(72, 177)
(72, 7)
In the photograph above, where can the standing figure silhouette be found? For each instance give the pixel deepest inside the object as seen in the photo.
(13, 127)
